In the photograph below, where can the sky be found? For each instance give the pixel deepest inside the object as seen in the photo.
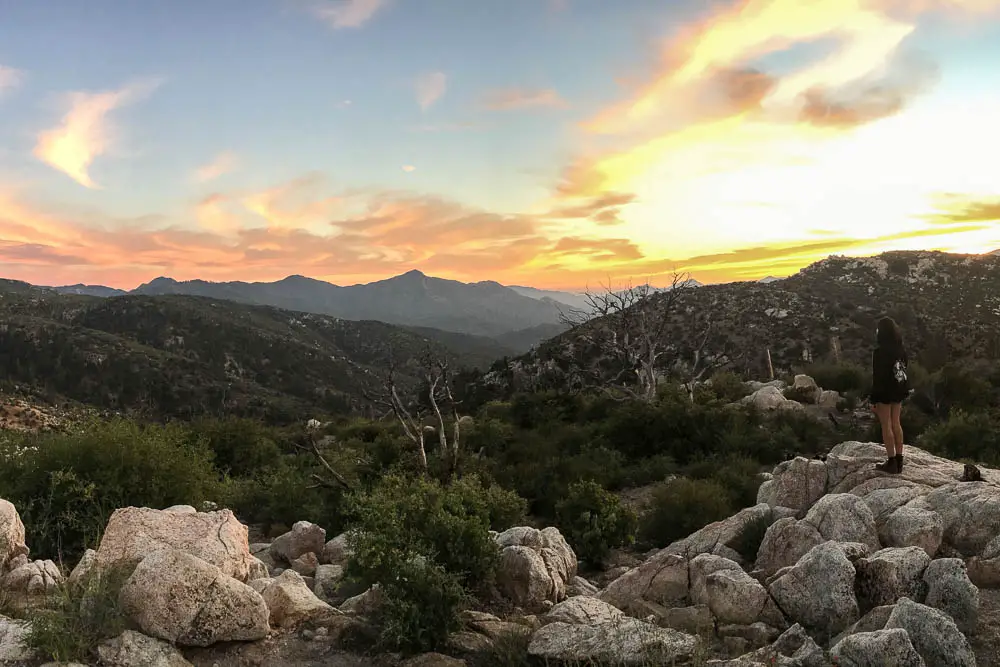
(552, 143)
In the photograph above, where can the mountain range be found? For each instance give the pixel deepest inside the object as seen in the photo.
(517, 316)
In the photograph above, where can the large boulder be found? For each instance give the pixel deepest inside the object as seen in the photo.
(818, 591)
(933, 633)
(582, 610)
(536, 566)
(785, 542)
(950, 590)
(290, 602)
(913, 526)
(177, 597)
(970, 513)
(12, 544)
(732, 595)
(303, 538)
(891, 574)
(337, 551)
(624, 642)
(844, 517)
(663, 579)
(797, 484)
(133, 649)
(884, 648)
(218, 538)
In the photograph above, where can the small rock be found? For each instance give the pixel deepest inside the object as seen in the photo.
(337, 551)
(306, 564)
(291, 603)
(582, 610)
(303, 538)
(35, 578)
(623, 642)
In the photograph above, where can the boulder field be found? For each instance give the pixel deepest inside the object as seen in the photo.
(837, 563)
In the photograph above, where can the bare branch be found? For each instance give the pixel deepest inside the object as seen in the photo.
(315, 451)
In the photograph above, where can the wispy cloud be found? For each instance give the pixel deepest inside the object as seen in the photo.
(10, 78)
(221, 164)
(508, 99)
(409, 168)
(429, 88)
(348, 13)
(85, 131)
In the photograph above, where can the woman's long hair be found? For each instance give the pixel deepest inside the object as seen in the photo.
(888, 335)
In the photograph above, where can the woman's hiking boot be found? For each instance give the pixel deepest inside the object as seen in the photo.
(899, 464)
(891, 466)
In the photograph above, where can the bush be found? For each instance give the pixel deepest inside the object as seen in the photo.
(420, 608)
(739, 475)
(751, 536)
(842, 378)
(729, 387)
(66, 485)
(681, 507)
(966, 436)
(595, 521)
(241, 446)
(78, 618)
(406, 518)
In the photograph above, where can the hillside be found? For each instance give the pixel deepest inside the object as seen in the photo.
(182, 356)
(948, 306)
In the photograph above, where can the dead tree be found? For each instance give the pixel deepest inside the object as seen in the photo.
(435, 398)
(625, 330)
(338, 479)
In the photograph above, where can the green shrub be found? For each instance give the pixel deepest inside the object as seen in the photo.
(739, 475)
(420, 609)
(77, 618)
(66, 485)
(404, 518)
(595, 521)
(747, 542)
(729, 386)
(241, 446)
(842, 378)
(974, 436)
(285, 492)
(681, 507)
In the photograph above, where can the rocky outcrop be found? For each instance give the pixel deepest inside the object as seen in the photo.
(621, 642)
(218, 538)
(950, 590)
(536, 566)
(34, 578)
(177, 597)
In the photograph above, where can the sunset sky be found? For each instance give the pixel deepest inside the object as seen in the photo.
(554, 143)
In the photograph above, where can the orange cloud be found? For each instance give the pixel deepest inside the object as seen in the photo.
(85, 133)
(509, 99)
(221, 164)
(348, 13)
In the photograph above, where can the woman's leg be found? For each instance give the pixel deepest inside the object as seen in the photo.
(884, 415)
(896, 410)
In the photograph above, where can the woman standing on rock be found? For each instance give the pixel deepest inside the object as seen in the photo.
(890, 386)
